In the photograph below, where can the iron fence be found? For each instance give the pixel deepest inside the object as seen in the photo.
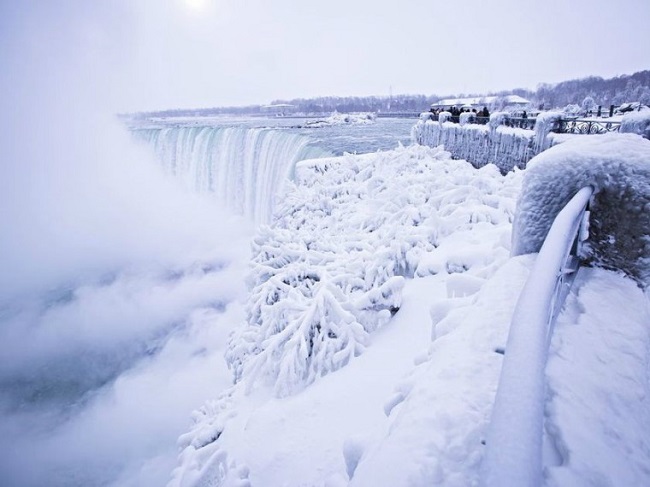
(585, 126)
(562, 126)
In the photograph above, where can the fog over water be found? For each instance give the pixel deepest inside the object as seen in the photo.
(118, 286)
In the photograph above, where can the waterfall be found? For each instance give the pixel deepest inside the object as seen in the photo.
(244, 167)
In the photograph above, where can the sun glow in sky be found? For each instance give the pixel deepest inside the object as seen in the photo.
(195, 4)
(160, 54)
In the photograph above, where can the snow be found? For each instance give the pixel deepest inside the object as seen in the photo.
(506, 147)
(349, 219)
(434, 436)
(335, 384)
(617, 166)
(466, 117)
(413, 406)
(443, 117)
(343, 119)
(332, 267)
(598, 399)
(637, 122)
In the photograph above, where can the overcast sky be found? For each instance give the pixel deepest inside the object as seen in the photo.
(151, 54)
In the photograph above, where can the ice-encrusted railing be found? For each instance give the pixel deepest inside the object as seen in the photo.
(491, 143)
(514, 439)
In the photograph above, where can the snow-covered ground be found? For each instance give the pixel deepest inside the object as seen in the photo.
(405, 401)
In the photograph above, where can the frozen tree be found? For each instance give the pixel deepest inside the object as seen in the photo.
(588, 105)
(331, 269)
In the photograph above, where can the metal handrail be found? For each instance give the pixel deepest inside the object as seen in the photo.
(514, 440)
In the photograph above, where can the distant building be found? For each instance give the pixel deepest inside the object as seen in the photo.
(480, 102)
(279, 109)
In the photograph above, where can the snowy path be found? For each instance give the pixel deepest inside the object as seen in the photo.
(598, 398)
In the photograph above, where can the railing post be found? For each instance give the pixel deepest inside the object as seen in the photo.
(600, 110)
(611, 111)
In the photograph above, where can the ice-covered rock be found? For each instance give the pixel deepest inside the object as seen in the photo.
(617, 166)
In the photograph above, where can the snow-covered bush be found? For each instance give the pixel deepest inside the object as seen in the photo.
(617, 166)
(331, 269)
(327, 273)
(572, 110)
(588, 105)
(637, 123)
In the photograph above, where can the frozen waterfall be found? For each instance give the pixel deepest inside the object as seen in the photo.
(244, 167)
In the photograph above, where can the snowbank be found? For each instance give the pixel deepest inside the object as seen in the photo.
(598, 400)
(440, 412)
(617, 166)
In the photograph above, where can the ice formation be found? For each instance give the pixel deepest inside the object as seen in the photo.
(497, 119)
(544, 123)
(617, 166)
(466, 117)
(506, 147)
(444, 117)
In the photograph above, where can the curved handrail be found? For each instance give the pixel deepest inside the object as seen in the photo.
(514, 439)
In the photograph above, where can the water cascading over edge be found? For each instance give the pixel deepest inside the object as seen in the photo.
(244, 167)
